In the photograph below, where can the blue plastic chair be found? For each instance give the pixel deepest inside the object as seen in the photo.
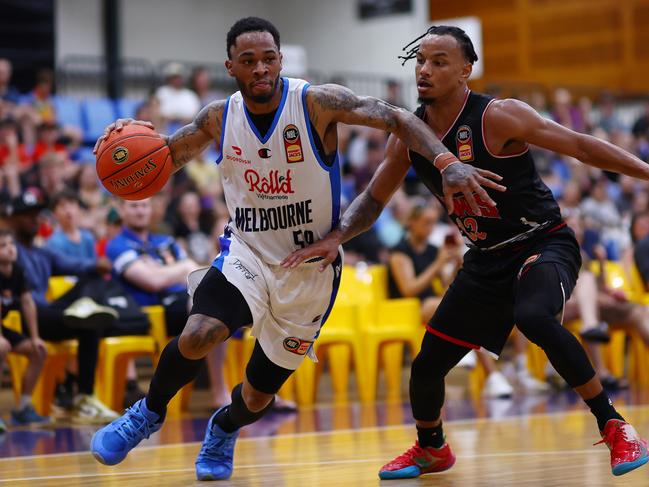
(97, 113)
(126, 107)
(68, 111)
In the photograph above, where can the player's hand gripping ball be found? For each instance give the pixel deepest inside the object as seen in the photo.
(134, 163)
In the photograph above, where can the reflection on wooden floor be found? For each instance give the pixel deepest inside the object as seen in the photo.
(544, 450)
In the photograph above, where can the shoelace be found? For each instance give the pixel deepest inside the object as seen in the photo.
(610, 436)
(214, 448)
(129, 430)
(409, 455)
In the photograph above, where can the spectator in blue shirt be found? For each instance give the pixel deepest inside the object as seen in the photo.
(152, 267)
(72, 316)
(68, 239)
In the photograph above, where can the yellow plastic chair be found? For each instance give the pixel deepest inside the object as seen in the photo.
(638, 350)
(114, 355)
(339, 342)
(158, 331)
(58, 355)
(387, 324)
(384, 325)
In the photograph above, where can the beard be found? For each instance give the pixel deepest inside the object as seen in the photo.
(259, 98)
(426, 101)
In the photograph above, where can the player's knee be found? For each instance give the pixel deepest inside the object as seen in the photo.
(536, 324)
(200, 334)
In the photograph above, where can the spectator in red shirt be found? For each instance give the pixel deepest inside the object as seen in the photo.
(47, 140)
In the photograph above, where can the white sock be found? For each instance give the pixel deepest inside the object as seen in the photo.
(25, 400)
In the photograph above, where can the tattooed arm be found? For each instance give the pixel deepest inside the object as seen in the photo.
(363, 211)
(187, 142)
(331, 103)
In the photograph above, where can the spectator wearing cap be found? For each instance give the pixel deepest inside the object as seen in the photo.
(178, 104)
(71, 315)
(68, 238)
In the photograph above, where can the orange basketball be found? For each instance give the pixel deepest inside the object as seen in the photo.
(134, 163)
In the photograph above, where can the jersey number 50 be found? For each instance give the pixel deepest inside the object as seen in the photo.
(302, 238)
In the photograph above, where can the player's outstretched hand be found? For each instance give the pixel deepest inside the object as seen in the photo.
(327, 248)
(118, 125)
(467, 179)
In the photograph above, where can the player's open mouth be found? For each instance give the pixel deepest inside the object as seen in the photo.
(423, 84)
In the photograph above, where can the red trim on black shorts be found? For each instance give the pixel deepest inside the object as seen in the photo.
(456, 341)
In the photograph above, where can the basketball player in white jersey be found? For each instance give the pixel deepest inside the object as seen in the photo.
(279, 166)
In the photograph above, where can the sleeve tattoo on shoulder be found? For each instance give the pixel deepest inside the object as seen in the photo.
(368, 110)
(190, 140)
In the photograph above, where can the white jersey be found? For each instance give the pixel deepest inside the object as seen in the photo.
(280, 194)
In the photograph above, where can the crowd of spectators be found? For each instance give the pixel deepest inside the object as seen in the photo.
(39, 153)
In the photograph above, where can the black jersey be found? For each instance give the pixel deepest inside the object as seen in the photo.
(524, 210)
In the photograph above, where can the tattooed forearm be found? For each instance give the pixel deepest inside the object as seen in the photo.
(418, 136)
(342, 105)
(189, 141)
(360, 216)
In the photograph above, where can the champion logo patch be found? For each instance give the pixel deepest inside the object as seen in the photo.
(464, 143)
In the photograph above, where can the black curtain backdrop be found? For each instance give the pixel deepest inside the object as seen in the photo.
(27, 38)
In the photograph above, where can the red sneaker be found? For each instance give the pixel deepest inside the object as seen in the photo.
(628, 450)
(417, 461)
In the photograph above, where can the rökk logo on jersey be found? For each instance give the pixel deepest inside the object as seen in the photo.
(296, 345)
(464, 141)
(293, 144)
(274, 183)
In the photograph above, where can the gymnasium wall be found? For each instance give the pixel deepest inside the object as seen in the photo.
(578, 43)
(194, 30)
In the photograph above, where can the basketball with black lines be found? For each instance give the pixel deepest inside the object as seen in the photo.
(134, 163)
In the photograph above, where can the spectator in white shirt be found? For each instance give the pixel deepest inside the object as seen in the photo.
(178, 104)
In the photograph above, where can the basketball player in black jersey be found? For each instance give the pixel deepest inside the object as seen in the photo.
(523, 260)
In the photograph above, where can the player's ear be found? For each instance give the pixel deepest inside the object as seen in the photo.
(228, 66)
(467, 69)
(281, 60)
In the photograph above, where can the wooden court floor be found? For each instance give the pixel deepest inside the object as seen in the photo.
(537, 450)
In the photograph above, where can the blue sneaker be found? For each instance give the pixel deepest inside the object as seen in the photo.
(28, 416)
(214, 461)
(111, 444)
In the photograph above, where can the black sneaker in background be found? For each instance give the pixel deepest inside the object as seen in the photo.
(132, 394)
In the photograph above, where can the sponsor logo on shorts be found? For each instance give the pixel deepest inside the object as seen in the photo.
(248, 274)
(464, 142)
(293, 144)
(296, 345)
(120, 155)
(528, 261)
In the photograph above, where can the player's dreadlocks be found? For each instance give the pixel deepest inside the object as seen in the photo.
(460, 36)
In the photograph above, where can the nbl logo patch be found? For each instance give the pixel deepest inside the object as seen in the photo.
(297, 346)
(293, 144)
(464, 142)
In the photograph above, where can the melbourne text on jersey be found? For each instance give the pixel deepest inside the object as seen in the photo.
(276, 218)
